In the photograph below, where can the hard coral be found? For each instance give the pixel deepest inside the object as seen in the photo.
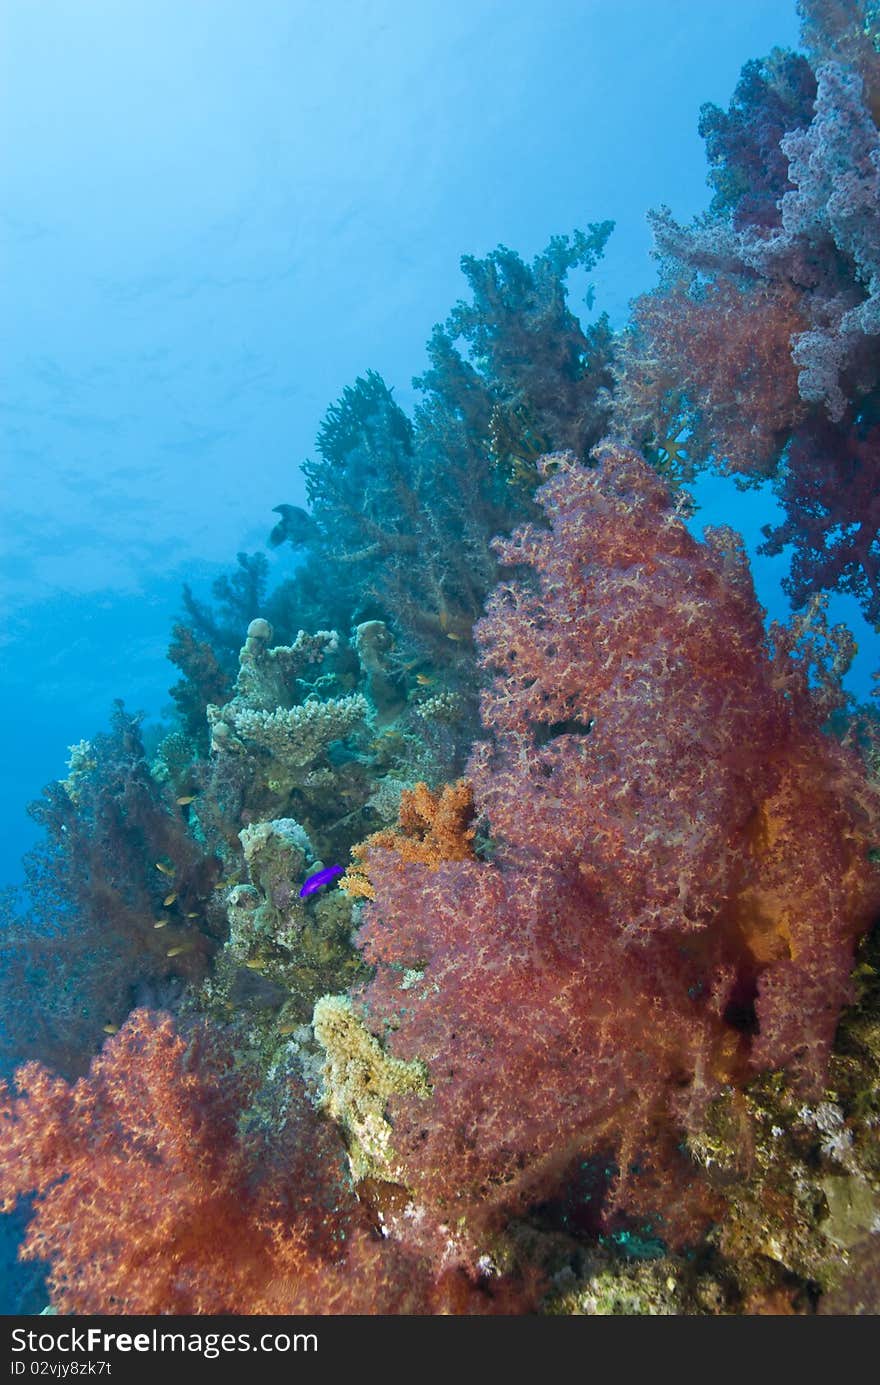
(277, 733)
(282, 951)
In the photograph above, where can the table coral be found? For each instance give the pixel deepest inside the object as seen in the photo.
(280, 735)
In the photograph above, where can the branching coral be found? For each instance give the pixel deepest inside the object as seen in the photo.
(281, 733)
(292, 737)
(269, 676)
(120, 893)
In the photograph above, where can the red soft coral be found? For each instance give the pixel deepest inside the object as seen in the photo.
(757, 353)
(713, 362)
(680, 860)
(159, 1194)
(544, 1041)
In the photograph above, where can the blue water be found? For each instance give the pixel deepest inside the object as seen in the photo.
(214, 217)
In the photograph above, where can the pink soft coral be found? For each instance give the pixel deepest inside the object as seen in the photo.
(680, 864)
(757, 352)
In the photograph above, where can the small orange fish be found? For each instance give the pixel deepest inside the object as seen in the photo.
(176, 951)
(424, 679)
(111, 1028)
(193, 915)
(255, 964)
(453, 625)
(288, 1027)
(166, 870)
(170, 898)
(161, 923)
(186, 799)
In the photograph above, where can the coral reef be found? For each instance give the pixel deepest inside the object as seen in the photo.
(590, 1025)
(282, 952)
(675, 837)
(158, 1198)
(756, 354)
(276, 737)
(403, 511)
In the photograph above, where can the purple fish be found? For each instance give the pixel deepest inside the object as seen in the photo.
(320, 877)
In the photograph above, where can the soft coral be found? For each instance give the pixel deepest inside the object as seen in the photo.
(681, 859)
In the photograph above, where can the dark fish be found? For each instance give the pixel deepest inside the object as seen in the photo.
(294, 526)
(321, 877)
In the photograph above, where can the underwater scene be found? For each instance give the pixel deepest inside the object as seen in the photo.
(442, 576)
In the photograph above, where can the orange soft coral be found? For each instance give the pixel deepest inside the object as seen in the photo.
(432, 827)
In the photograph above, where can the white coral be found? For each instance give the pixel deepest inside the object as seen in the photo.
(293, 735)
